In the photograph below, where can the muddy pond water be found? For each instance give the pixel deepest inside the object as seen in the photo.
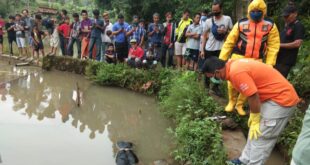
(41, 124)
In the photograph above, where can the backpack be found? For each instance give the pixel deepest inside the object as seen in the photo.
(216, 35)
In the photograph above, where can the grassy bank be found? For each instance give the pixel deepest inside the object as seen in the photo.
(184, 100)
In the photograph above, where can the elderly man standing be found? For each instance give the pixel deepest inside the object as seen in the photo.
(254, 37)
(271, 99)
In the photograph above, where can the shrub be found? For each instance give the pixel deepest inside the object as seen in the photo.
(199, 142)
(187, 98)
(290, 134)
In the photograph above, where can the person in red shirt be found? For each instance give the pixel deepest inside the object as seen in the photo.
(168, 42)
(135, 54)
(271, 100)
(64, 30)
(2, 24)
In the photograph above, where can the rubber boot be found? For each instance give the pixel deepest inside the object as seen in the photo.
(232, 98)
(239, 106)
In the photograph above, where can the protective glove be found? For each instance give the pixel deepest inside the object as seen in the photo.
(254, 125)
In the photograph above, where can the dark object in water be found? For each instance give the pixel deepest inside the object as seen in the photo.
(78, 94)
(125, 155)
(22, 64)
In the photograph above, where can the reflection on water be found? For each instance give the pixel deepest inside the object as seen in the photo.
(40, 122)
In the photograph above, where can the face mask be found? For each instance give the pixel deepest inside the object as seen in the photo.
(215, 80)
(203, 18)
(256, 15)
(217, 14)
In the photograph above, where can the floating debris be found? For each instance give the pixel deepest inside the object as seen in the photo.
(22, 64)
(147, 85)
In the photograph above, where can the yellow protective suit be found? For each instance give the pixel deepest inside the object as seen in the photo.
(249, 39)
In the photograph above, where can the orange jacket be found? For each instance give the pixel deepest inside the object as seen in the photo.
(252, 41)
(248, 39)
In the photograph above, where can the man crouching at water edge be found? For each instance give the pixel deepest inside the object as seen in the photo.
(271, 99)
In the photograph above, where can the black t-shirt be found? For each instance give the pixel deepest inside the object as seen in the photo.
(290, 33)
(38, 36)
(11, 33)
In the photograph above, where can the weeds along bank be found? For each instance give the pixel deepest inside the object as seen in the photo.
(183, 99)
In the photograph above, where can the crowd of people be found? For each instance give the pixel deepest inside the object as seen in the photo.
(99, 39)
(199, 42)
(184, 43)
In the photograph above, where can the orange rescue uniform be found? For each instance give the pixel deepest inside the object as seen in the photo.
(250, 77)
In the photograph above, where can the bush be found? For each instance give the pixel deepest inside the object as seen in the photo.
(290, 134)
(187, 98)
(199, 142)
(300, 75)
(300, 78)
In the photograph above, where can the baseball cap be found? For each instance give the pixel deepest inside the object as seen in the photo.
(289, 10)
(120, 16)
(212, 64)
(133, 41)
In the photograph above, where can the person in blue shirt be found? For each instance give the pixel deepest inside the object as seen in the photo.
(134, 31)
(95, 35)
(155, 33)
(121, 44)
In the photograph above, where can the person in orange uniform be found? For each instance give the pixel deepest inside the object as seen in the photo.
(271, 99)
(254, 37)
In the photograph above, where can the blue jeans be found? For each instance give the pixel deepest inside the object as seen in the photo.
(166, 48)
(78, 45)
(62, 45)
(104, 46)
(92, 43)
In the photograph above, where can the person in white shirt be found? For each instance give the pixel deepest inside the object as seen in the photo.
(106, 36)
(215, 32)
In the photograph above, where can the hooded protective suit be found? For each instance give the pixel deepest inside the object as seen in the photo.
(249, 39)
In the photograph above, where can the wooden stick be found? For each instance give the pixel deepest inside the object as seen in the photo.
(78, 94)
